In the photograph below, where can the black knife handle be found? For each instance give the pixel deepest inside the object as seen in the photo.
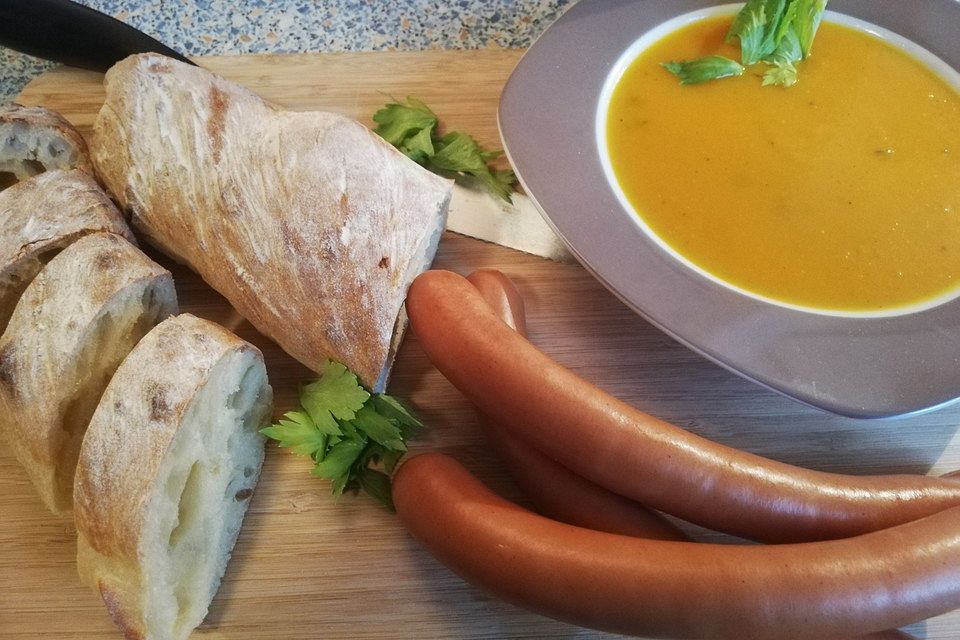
(67, 32)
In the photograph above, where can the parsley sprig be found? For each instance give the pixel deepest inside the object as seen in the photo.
(779, 33)
(345, 429)
(411, 127)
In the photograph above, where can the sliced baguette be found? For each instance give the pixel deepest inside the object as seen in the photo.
(166, 472)
(310, 224)
(74, 324)
(34, 140)
(39, 217)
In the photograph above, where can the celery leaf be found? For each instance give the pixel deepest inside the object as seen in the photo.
(756, 26)
(339, 459)
(411, 127)
(345, 429)
(800, 23)
(337, 394)
(777, 32)
(399, 121)
(704, 69)
(297, 432)
(809, 15)
(377, 484)
(378, 428)
(419, 147)
(395, 410)
(459, 153)
(783, 73)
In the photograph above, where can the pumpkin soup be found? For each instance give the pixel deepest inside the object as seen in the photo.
(840, 193)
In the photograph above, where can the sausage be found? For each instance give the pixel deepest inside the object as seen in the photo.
(555, 491)
(551, 488)
(831, 589)
(638, 456)
(502, 296)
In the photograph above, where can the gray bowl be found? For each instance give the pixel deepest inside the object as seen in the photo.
(864, 367)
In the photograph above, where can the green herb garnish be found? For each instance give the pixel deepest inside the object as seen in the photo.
(345, 429)
(412, 126)
(779, 33)
(758, 26)
(784, 73)
(807, 22)
(704, 69)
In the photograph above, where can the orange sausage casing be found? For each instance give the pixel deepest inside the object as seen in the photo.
(554, 490)
(638, 456)
(828, 590)
(502, 296)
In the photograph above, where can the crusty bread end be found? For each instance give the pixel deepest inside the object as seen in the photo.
(313, 226)
(34, 140)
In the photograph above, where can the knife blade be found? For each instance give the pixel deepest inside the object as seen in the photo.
(70, 33)
(518, 225)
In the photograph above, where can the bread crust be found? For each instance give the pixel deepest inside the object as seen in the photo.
(41, 216)
(52, 353)
(32, 136)
(131, 434)
(308, 223)
(143, 406)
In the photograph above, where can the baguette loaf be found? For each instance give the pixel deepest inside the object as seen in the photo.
(166, 472)
(34, 140)
(42, 215)
(308, 223)
(74, 324)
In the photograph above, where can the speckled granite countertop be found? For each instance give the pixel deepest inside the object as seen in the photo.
(211, 27)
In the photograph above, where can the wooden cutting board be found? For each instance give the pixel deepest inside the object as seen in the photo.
(307, 566)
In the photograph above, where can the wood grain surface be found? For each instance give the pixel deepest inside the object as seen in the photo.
(307, 566)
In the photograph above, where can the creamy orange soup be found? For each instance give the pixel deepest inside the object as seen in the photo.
(839, 193)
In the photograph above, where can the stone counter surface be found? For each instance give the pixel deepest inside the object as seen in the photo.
(218, 27)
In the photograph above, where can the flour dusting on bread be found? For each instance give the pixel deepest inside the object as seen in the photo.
(308, 223)
(42, 215)
(75, 323)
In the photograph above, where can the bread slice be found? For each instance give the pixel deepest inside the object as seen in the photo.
(42, 215)
(74, 324)
(34, 140)
(166, 472)
(308, 223)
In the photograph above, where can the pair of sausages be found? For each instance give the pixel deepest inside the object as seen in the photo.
(638, 456)
(553, 490)
(824, 590)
